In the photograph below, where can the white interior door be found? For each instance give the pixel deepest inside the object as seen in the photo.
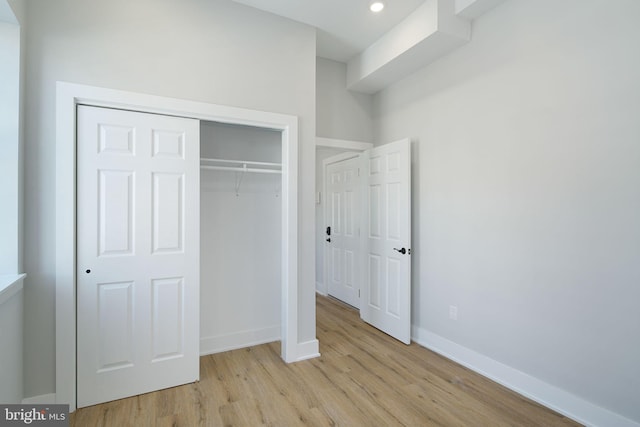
(138, 253)
(386, 225)
(342, 238)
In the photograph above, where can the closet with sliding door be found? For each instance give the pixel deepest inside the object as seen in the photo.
(240, 236)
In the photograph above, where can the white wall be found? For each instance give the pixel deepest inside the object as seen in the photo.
(11, 332)
(205, 50)
(240, 246)
(10, 167)
(6, 13)
(19, 9)
(527, 193)
(340, 114)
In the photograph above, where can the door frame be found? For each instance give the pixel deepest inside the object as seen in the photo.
(363, 154)
(68, 97)
(351, 147)
(348, 155)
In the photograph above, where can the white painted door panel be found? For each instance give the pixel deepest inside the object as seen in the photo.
(342, 213)
(386, 229)
(138, 253)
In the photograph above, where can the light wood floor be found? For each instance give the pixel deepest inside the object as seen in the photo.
(363, 378)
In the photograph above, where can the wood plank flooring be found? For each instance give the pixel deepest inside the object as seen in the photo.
(363, 378)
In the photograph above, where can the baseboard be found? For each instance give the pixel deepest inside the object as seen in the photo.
(546, 394)
(220, 343)
(43, 399)
(308, 350)
(320, 289)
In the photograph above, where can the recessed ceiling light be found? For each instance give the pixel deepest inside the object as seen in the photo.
(376, 6)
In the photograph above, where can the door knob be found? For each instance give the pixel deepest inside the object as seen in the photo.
(402, 251)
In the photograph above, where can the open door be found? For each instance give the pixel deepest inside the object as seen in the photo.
(386, 239)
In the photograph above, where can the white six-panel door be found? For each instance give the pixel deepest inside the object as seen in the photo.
(138, 253)
(386, 227)
(342, 215)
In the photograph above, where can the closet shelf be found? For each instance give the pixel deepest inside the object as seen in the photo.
(240, 166)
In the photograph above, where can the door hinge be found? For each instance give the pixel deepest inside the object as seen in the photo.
(358, 293)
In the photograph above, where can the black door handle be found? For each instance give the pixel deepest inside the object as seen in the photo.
(402, 251)
(328, 239)
(328, 231)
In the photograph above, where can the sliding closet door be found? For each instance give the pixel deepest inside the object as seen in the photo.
(138, 253)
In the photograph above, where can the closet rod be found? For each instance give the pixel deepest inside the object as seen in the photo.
(238, 169)
(241, 162)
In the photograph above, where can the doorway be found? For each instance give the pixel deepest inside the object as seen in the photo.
(366, 233)
(69, 96)
(240, 229)
(327, 148)
(342, 227)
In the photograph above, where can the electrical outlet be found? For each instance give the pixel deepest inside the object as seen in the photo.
(453, 312)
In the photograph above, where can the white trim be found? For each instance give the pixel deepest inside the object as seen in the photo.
(68, 96)
(220, 343)
(321, 289)
(10, 284)
(357, 146)
(325, 248)
(342, 143)
(289, 322)
(308, 350)
(546, 394)
(336, 159)
(43, 399)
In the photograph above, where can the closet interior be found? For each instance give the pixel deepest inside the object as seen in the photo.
(240, 236)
